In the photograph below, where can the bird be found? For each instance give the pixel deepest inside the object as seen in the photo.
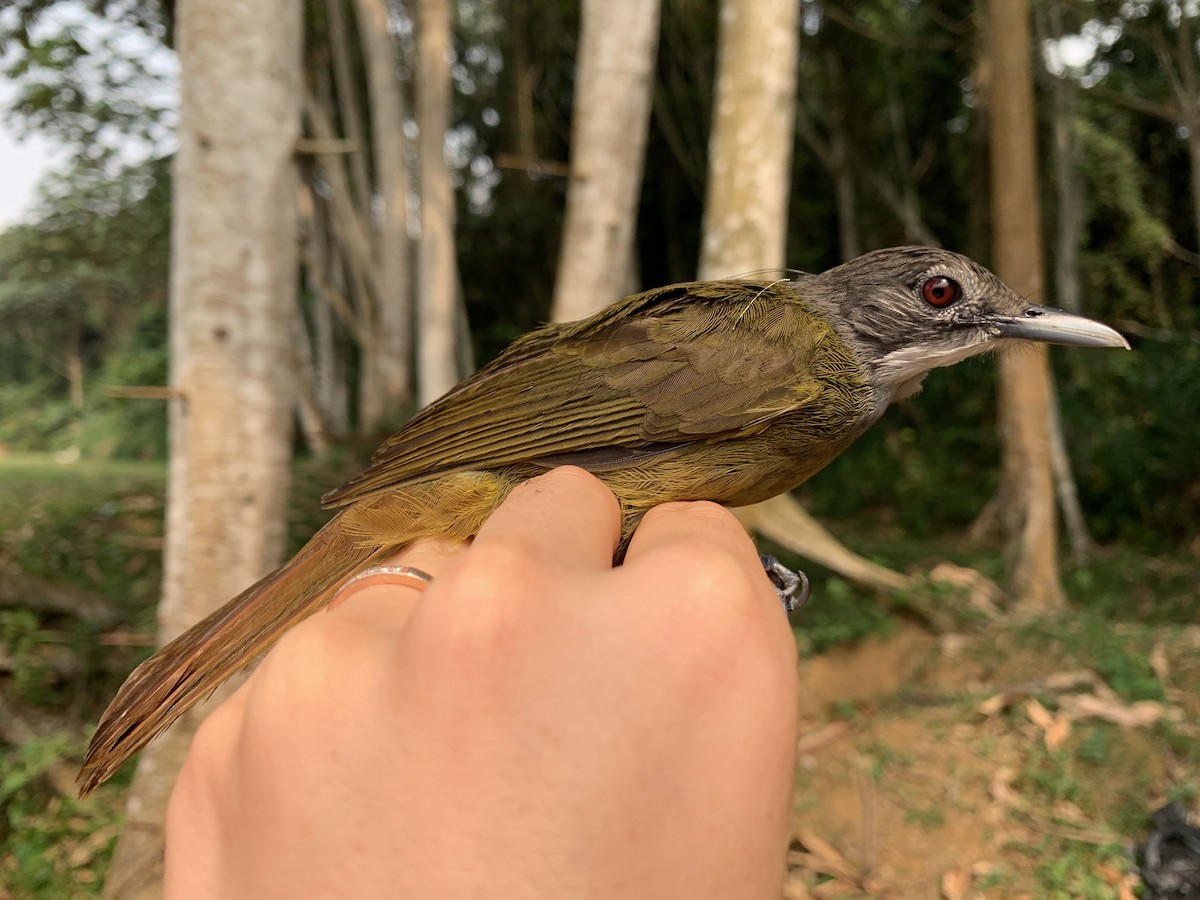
(731, 391)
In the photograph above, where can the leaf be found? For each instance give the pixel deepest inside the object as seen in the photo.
(1056, 734)
(956, 883)
(1038, 714)
(1158, 662)
(1134, 715)
(995, 704)
(1000, 787)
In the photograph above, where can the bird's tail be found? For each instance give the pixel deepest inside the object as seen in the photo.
(193, 665)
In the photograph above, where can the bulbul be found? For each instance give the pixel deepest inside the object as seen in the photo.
(731, 391)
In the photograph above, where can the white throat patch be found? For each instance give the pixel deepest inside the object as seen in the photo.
(903, 370)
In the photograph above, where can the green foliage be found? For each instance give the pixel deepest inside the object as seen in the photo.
(86, 532)
(83, 294)
(50, 845)
(838, 614)
(94, 86)
(1119, 654)
(1134, 421)
(94, 525)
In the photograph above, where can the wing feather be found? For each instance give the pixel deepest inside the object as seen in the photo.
(650, 373)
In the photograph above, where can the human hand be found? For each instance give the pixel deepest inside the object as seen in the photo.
(535, 724)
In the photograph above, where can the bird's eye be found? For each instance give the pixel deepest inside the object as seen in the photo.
(940, 291)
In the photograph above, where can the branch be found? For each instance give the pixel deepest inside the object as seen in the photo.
(1172, 114)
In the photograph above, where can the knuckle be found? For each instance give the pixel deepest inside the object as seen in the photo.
(726, 632)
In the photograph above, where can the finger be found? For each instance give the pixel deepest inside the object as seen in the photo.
(386, 602)
(360, 629)
(566, 517)
(695, 526)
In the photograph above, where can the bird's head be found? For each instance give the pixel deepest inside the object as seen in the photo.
(906, 310)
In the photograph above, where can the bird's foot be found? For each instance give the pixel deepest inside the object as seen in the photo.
(791, 586)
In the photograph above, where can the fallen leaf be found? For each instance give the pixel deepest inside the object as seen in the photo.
(1069, 681)
(1158, 662)
(826, 854)
(1067, 811)
(1000, 787)
(983, 594)
(795, 888)
(1038, 714)
(956, 883)
(994, 704)
(812, 741)
(1134, 715)
(1056, 733)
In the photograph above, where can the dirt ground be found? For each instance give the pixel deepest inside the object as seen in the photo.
(966, 766)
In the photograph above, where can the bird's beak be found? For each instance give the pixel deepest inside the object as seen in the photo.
(1053, 326)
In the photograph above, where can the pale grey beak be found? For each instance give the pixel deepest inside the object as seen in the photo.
(1053, 326)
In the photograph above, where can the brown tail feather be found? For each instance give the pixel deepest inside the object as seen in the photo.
(193, 665)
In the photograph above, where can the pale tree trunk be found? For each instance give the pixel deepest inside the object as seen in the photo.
(614, 83)
(437, 306)
(745, 214)
(750, 148)
(233, 283)
(394, 332)
(1026, 497)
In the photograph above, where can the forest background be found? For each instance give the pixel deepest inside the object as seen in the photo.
(427, 214)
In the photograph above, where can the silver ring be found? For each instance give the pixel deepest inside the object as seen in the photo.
(408, 576)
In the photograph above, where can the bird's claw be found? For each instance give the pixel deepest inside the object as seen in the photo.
(791, 586)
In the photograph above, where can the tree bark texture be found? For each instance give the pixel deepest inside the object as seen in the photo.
(392, 247)
(750, 147)
(614, 87)
(1027, 486)
(745, 215)
(437, 313)
(233, 284)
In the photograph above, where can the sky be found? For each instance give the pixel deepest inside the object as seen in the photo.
(22, 164)
(23, 161)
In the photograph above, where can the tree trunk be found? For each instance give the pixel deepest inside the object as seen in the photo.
(233, 283)
(321, 262)
(745, 213)
(750, 149)
(349, 106)
(304, 373)
(394, 330)
(75, 366)
(437, 308)
(1027, 486)
(610, 120)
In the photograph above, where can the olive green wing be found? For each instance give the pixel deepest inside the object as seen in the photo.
(658, 371)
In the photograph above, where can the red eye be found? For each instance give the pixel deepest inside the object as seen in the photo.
(940, 291)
